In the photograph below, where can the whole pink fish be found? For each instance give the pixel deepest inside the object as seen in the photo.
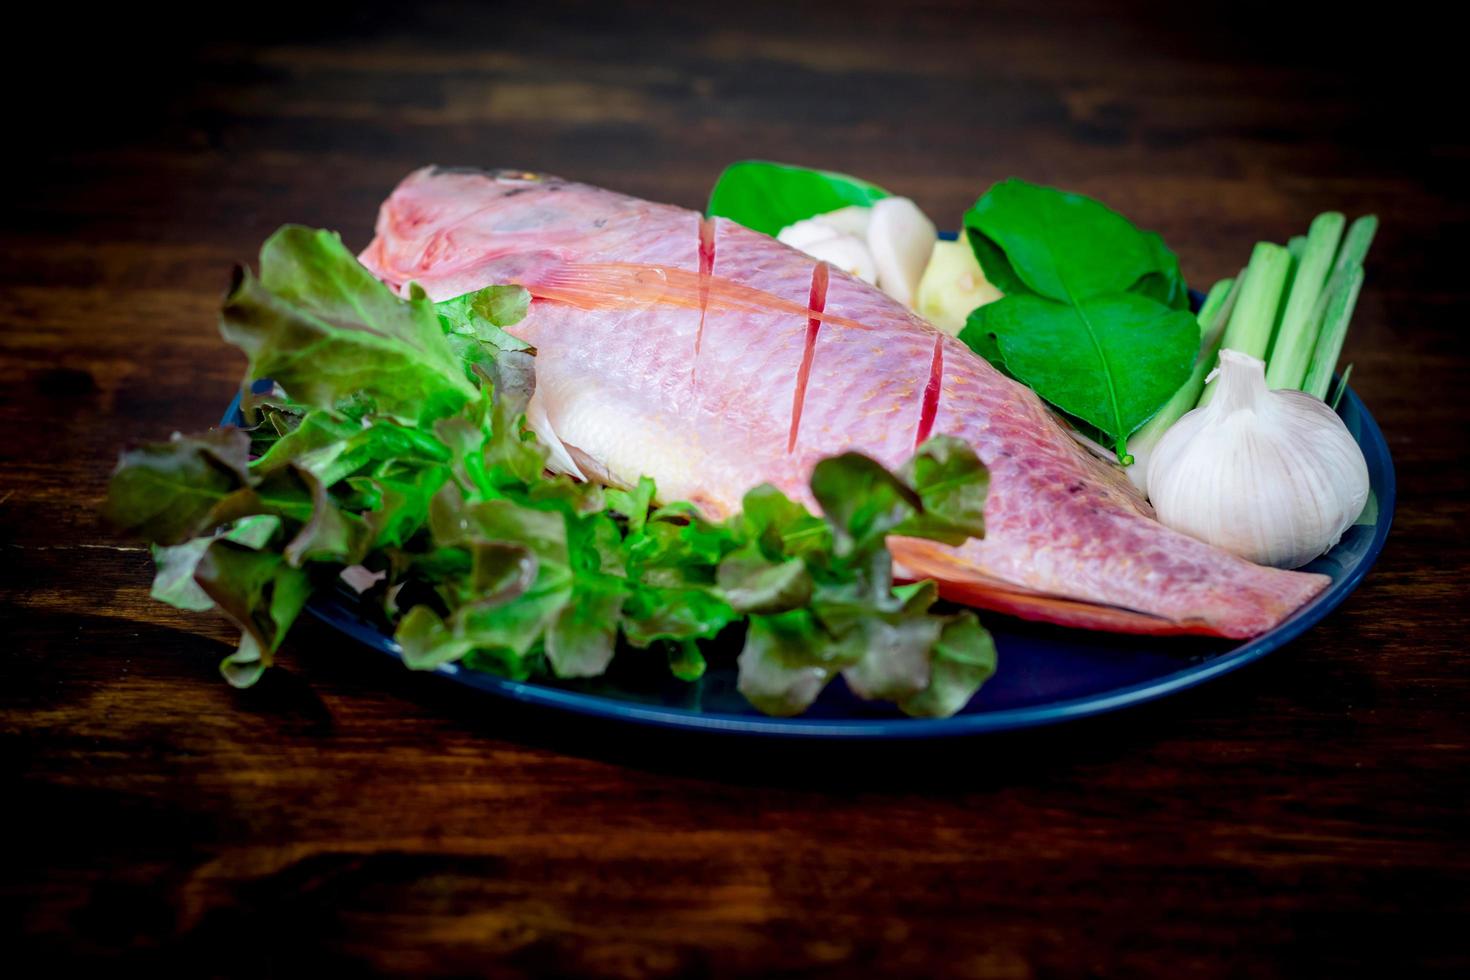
(713, 358)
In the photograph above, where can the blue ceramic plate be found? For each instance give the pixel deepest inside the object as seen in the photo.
(1045, 674)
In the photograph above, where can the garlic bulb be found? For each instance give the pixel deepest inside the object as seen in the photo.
(1272, 476)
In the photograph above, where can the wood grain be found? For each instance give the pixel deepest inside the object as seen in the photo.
(1303, 818)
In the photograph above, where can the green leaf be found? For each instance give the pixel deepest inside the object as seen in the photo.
(633, 504)
(978, 337)
(963, 660)
(466, 439)
(1166, 284)
(171, 491)
(330, 534)
(484, 558)
(781, 526)
(313, 432)
(484, 313)
(247, 664)
(581, 640)
(595, 544)
(768, 196)
(751, 582)
(562, 492)
(474, 322)
(952, 485)
(1104, 277)
(261, 593)
(685, 660)
(500, 572)
(861, 498)
(504, 662)
(994, 263)
(401, 505)
(781, 667)
(426, 642)
(544, 532)
(512, 453)
(676, 551)
(167, 492)
(174, 583)
(1112, 361)
(1063, 246)
(515, 628)
(651, 614)
(512, 375)
(324, 329)
(895, 656)
(503, 306)
(384, 441)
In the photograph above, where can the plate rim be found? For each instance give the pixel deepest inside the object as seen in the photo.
(333, 612)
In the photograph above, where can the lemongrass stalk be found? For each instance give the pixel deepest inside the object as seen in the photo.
(1295, 251)
(1297, 246)
(1337, 313)
(1355, 244)
(1292, 349)
(1254, 316)
(1219, 301)
(1339, 290)
(1214, 314)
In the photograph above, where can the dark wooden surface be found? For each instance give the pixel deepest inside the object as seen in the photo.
(1304, 817)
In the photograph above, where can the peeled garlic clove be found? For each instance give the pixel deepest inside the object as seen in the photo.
(952, 286)
(852, 220)
(901, 239)
(804, 233)
(1272, 476)
(848, 254)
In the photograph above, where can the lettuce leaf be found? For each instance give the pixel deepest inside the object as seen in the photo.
(395, 440)
(323, 328)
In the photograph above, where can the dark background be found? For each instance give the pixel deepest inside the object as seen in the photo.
(1305, 817)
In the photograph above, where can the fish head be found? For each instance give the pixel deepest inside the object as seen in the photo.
(455, 229)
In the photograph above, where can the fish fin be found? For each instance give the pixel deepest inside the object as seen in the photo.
(619, 285)
(959, 581)
(559, 461)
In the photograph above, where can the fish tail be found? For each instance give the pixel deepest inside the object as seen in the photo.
(961, 580)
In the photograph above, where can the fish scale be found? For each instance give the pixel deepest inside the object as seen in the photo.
(618, 294)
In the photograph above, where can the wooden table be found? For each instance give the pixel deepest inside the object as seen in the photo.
(1304, 817)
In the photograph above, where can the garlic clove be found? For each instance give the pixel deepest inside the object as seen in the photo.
(1272, 476)
(803, 233)
(851, 220)
(847, 253)
(953, 285)
(901, 239)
